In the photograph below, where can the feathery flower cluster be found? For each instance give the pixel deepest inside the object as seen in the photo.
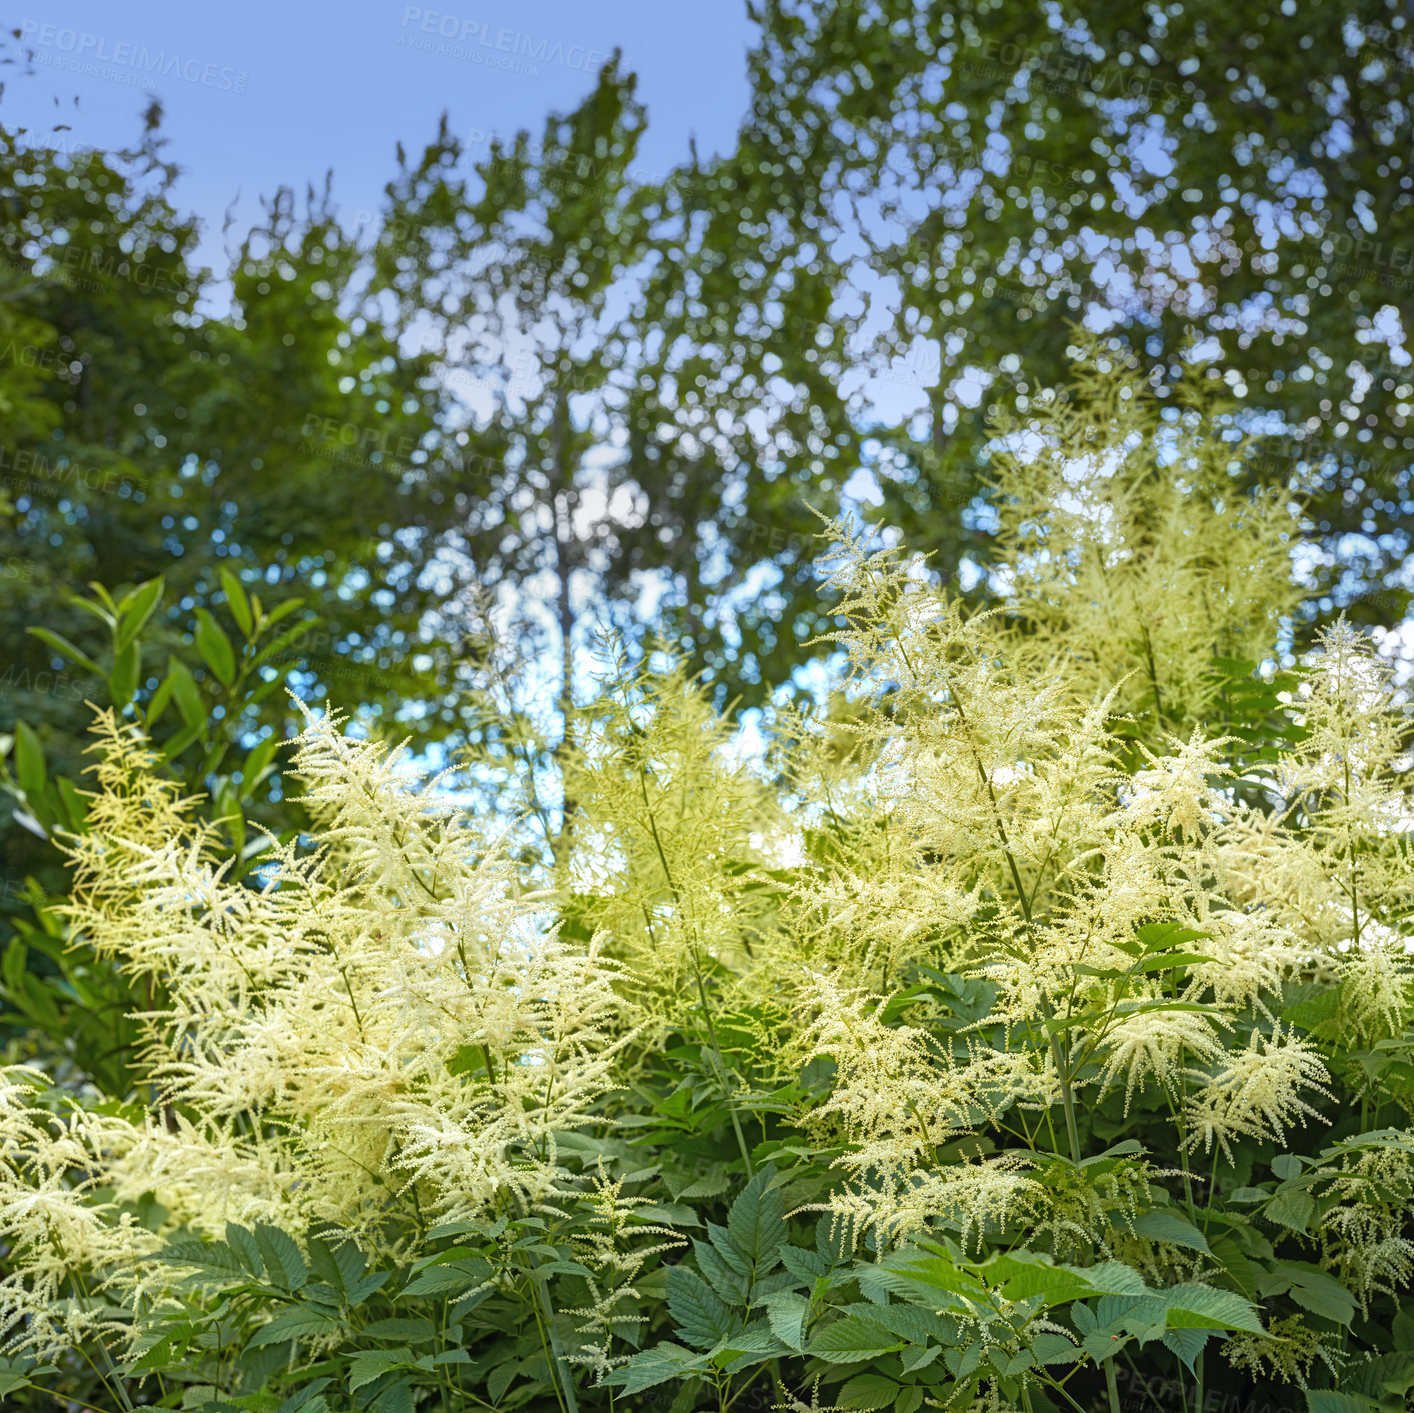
(377, 1035)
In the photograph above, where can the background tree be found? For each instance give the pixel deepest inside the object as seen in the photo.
(147, 434)
(1220, 179)
(625, 439)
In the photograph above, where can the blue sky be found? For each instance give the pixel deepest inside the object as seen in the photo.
(261, 93)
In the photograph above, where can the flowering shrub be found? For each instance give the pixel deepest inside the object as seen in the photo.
(1034, 1018)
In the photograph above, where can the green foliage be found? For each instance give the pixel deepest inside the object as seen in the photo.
(1093, 157)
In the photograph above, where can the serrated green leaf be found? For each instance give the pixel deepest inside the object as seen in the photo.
(1292, 1209)
(282, 1257)
(651, 1367)
(364, 1368)
(246, 1247)
(1186, 1343)
(757, 1221)
(1051, 1348)
(787, 1312)
(297, 1322)
(726, 1282)
(866, 1391)
(852, 1341)
(396, 1398)
(1329, 1400)
(1169, 1227)
(1316, 1290)
(703, 1318)
(215, 1256)
(453, 1278)
(1192, 1306)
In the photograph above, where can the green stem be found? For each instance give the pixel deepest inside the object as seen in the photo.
(545, 1319)
(1111, 1387)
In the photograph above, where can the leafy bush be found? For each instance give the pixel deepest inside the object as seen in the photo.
(1032, 1019)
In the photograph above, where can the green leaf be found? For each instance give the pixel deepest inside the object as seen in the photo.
(1160, 936)
(1170, 960)
(852, 1341)
(868, 1391)
(727, 1252)
(1051, 1348)
(396, 1398)
(1192, 1306)
(655, 1366)
(366, 1366)
(1292, 1209)
(1187, 1344)
(757, 1221)
(215, 647)
(122, 680)
(454, 1278)
(1315, 1290)
(1286, 1166)
(752, 1345)
(282, 1257)
(257, 762)
(721, 1276)
(1022, 1274)
(1237, 1264)
(1329, 1400)
(187, 694)
(907, 1321)
(804, 1265)
(237, 602)
(915, 1357)
(297, 1401)
(136, 610)
(247, 1248)
(29, 760)
(787, 1312)
(96, 609)
(63, 646)
(214, 1256)
(703, 1317)
(1169, 1227)
(12, 969)
(297, 1322)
